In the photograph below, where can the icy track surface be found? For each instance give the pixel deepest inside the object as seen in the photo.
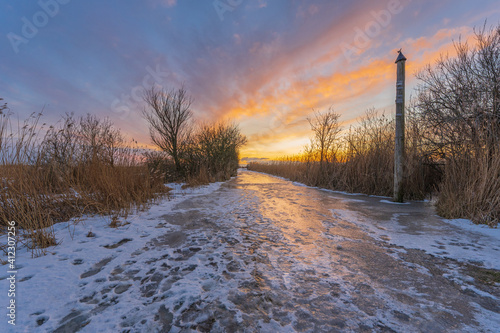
(262, 254)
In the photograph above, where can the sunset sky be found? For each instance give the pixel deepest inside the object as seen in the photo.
(264, 64)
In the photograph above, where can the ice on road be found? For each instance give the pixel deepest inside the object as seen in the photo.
(262, 254)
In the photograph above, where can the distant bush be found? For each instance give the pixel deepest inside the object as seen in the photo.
(213, 153)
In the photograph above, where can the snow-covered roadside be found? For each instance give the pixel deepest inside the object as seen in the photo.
(458, 239)
(57, 276)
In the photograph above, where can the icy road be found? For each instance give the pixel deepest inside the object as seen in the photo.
(262, 254)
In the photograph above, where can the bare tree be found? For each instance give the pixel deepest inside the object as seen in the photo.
(100, 140)
(168, 114)
(459, 98)
(326, 129)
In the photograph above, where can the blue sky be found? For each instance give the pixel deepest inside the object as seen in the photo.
(264, 64)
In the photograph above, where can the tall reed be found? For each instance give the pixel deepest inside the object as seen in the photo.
(51, 174)
(362, 162)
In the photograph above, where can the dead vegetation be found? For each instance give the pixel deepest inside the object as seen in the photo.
(83, 166)
(452, 140)
(198, 154)
(361, 160)
(52, 174)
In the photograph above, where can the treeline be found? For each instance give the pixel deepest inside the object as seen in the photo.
(452, 139)
(84, 165)
(360, 160)
(199, 153)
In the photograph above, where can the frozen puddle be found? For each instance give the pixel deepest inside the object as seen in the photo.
(260, 254)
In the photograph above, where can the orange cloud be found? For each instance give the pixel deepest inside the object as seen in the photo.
(293, 98)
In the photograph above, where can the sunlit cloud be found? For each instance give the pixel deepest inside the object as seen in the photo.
(293, 101)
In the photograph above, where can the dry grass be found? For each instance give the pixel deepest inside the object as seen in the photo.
(50, 177)
(362, 161)
(201, 177)
(471, 189)
(484, 275)
(212, 153)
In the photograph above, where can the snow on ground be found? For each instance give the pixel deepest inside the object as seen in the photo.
(57, 275)
(459, 239)
(261, 253)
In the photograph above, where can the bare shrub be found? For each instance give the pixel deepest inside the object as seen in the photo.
(458, 102)
(60, 153)
(160, 165)
(452, 145)
(213, 153)
(200, 155)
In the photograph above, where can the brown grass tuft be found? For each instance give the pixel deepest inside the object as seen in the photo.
(54, 174)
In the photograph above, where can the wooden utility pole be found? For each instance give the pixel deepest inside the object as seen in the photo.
(399, 149)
